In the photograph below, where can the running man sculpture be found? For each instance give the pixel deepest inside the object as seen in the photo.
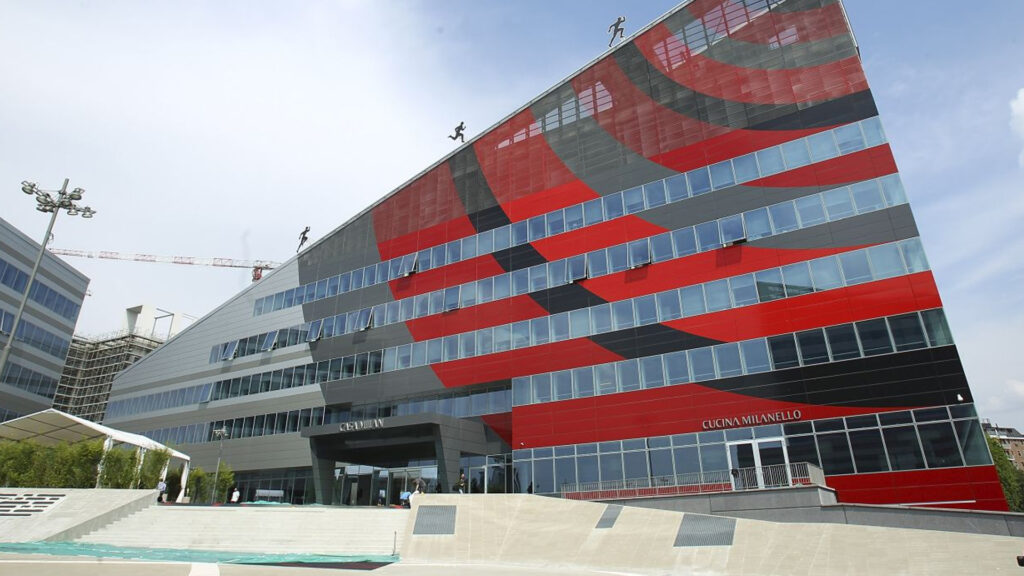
(616, 28)
(458, 132)
(303, 238)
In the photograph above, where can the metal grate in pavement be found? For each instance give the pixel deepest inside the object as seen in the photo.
(701, 530)
(434, 520)
(608, 518)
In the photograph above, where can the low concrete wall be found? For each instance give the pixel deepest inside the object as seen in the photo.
(80, 511)
(818, 505)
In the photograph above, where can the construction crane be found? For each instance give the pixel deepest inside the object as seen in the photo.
(257, 266)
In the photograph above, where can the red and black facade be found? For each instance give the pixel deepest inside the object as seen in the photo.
(855, 358)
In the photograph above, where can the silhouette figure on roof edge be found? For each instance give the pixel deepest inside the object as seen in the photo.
(616, 28)
(458, 132)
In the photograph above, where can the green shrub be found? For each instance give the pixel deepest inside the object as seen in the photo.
(152, 466)
(32, 465)
(198, 485)
(119, 466)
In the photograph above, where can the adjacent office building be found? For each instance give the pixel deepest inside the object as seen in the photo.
(29, 379)
(693, 256)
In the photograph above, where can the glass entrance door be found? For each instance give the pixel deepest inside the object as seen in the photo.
(759, 463)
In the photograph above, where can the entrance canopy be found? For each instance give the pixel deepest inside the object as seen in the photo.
(51, 427)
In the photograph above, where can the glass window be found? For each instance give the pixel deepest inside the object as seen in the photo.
(521, 334)
(825, 273)
(541, 387)
(907, 332)
(561, 383)
(843, 342)
(783, 350)
(661, 247)
(565, 474)
(651, 372)
(617, 258)
(769, 285)
(635, 464)
(522, 391)
(622, 314)
(520, 233)
(684, 241)
(834, 450)
(576, 268)
(702, 363)
(521, 281)
(687, 461)
(592, 212)
(874, 337)
(580, 321)
(613, 206)
(611, 467)
(757, 223)
(713, 458)
(873, 134)
(502, 338)
(721, 175)
(540, 331)
(502, 238)
(639, 253)
(903, 448)
(583, 382)
(745, 167)
(485, 241)
(677, 368)
(677, 189)
(798, 279)
(770, 161)
(502, 286)
(867, 197)
(936, 327)
(597, 264)
(802, 449)
(604, 378)
(783, 217)
(849, 138)
(940, 445)
(796, 154)
(823, 146)
(914, 256)
(972, 442)
(484, 341)
(536, 227)
(699, 181)
(543, 476)
(717, 294)
(708, 237)
(693, 300)
(892, 189)
(668, 306)
(837, 203)
(628, 372)
(743, 290)
(634, 200)
(646, 310)
(732, 228)
(538, 277)
(560, 327)
(573, 217)
(727, 357)
(661, 467)
(868, 451)
(755, 356)
(855, 267)
(436, 301)
(812, 346)
(654, 193)
(810, 210)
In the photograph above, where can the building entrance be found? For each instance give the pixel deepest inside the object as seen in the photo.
(761, 463)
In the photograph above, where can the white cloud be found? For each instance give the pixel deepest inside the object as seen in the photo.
(1017, 119)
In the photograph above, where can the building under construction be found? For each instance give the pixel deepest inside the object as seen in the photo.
(92, 363)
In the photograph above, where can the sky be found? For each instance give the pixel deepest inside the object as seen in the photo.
(222, 129)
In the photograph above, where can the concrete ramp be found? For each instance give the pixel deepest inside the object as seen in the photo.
(37, 514)
(552, 535)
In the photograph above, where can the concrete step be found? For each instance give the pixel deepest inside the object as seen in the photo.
(324, 530)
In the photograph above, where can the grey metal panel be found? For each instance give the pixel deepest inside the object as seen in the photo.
(701, 530)
(379, 387)
(350, 247)
(434, 520)
(363, 298)
(724, 202)
(889, 225)
(608, 517)
(365, 341)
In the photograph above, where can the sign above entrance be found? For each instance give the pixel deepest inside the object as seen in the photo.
(752, 420)
(361, 425)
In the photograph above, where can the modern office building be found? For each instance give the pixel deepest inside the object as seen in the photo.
(693, 256)
(1010, 439)
(29, 379)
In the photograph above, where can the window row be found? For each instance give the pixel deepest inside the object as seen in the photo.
(919, 446)
(15, 279)
(882, 261)
(29, 380)
(794, 154)
(35, 336)
(6, 415)
(835, 204)
(159, 401)
(819, 345)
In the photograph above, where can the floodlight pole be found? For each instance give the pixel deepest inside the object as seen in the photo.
(46, 203)
(219, 433)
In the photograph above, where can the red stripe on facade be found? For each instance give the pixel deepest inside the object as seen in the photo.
(595, 237)
(651, 412)
(530, 360)
(420, 215)
(476, 317)
(575, 192)
(839, 306)
(788, 27)
(699, 268)
(501, 424)
(445, 276)
(863, 165)
(517, 161)
(726, 146)
(970, 488)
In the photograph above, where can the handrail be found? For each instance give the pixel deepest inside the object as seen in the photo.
(737, 479)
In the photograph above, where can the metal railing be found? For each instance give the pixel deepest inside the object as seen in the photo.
(756, 478)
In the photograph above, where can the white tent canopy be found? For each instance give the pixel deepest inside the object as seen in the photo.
(50, 427)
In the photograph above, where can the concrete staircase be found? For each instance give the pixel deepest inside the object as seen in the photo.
(271, 530)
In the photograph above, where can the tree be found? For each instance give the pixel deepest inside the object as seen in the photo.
(225, 480)
(198, 484)
(1009, 476)
(119, 466)
(152, 466)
